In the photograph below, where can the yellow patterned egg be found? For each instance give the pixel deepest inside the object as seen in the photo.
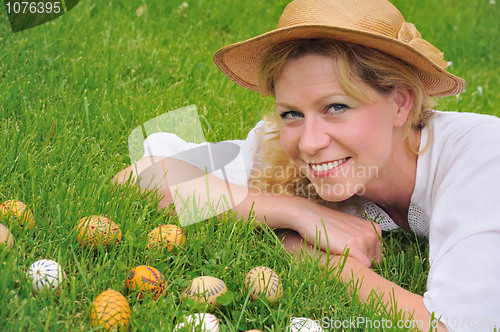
(146, 279)
(167, 236)
(262, 280)
(17, 213)
(205, 290)
(97, 231)
(6, 236)
(110, 310)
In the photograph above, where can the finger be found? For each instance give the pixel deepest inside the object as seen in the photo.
(378, 244)
(373, 251)
(378, 253)
(370, 241)
(360, 257)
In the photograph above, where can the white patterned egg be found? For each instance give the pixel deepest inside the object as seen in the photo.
(45, 274)
(205, 289)
(208, 322)
(302, 324)
(264, 281)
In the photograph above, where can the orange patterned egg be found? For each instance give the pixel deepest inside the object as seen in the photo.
(17, 213)
(205, 290)
(97, 231)
(146, 279)
(167, 236)
(262, 280)
(110, 310)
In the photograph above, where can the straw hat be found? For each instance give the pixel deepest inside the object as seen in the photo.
(373, 23)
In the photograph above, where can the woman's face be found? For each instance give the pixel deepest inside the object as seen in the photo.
(341, 144)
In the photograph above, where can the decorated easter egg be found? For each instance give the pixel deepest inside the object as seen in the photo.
(208, 322)
(6, 236)
(45, 274)
(302, 324)
(167, 236)
(97, 231)
(262, 280)
(110, 310)
(17, 213)
(205, 290)
(146, 279)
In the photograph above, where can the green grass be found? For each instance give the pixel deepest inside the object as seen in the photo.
(72, 90)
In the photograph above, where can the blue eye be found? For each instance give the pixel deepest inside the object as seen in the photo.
(337, 108)
(290, 115)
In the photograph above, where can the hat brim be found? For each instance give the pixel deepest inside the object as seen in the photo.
(241, 61)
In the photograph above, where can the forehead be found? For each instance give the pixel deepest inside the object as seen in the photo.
(307, 72)
(317, 76)
(309, 61)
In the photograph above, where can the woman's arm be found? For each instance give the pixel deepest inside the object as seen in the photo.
(278, 211)
(302, 216)
(368, 281)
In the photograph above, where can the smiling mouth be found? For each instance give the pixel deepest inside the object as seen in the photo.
(327, 166)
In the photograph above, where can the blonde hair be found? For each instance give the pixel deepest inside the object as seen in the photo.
(354, 63)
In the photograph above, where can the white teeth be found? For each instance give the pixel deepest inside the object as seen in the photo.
(327, 166)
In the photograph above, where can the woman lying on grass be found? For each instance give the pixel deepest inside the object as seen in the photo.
(354, 131)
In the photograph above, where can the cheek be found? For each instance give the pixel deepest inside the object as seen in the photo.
(375, 141)
(288, 141)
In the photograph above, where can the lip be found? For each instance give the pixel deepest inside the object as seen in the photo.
(324, 174)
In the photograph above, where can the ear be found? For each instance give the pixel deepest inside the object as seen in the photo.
(403, 98)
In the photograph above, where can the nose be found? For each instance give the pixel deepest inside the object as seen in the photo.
(314, 136)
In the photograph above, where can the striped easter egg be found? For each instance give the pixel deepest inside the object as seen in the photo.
(146, 279)
(205, 290)
(262, 280)
(45, 274)
(17, 213)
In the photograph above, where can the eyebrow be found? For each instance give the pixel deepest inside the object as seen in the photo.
(319, 101)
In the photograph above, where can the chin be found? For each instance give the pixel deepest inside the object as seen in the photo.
(335, 193)
(335, 198)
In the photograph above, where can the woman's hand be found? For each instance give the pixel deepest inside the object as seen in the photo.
(343, 231)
